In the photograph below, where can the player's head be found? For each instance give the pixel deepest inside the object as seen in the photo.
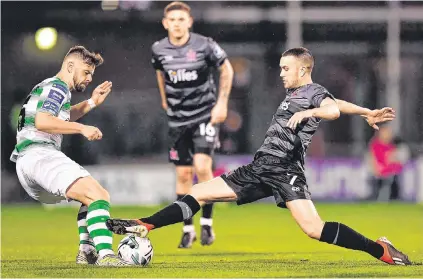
(296, 65)
(177, 19)
(79, 65)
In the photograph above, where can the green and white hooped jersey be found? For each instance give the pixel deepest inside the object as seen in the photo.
(51, 96)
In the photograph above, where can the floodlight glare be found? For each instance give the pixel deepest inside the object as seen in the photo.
(46, 38)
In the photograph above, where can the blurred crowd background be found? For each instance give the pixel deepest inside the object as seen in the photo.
(367, 52)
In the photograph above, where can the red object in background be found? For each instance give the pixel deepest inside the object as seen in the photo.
(218, 172)
(382, 153)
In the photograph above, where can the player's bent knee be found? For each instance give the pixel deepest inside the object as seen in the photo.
(87, 190)
(313, 229)
(184, 175)
(203, 171)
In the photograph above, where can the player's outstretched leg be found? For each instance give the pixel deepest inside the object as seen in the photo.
(88, 191)
(341, 235)
(203, 165)
(87, 253)
(213, 190)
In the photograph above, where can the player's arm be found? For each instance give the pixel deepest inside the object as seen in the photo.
(158, 66)
(220, 110)
(350, 108)
(371, 116)
(161, 84)
(327, 110)
(80, 109)
(98, 96)
(225, 82)
(46, 122)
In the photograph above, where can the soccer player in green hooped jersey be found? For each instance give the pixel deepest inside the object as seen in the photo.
(46, 173)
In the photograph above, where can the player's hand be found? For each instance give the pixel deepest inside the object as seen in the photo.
(298, 117)
(164, 105)
(219, 114)
(378, 116)
(91, 133)
(101, 92)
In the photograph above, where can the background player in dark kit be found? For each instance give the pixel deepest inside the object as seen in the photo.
(277, 169)
(184, 62)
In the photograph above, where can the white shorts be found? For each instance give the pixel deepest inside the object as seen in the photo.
(46, 173)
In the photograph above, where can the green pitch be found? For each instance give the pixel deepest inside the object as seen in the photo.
(257, 240)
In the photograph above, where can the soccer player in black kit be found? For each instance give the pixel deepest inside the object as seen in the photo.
(278, 166)
(184, 62)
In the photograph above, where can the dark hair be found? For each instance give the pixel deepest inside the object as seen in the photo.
(177, 6)
(301, 53)
(91, 58)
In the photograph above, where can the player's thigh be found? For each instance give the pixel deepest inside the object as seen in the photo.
(31, 187)
(51, 171)
(180, 146)
(246, 184)
(212, 191)
(305, 214)
(205, 138)
(87, 190)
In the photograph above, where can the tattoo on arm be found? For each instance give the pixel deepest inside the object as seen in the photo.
(226, 76)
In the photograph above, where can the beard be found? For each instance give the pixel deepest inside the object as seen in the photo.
(80, 87)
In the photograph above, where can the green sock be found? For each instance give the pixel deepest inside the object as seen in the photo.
(98, 214)
(85, 241)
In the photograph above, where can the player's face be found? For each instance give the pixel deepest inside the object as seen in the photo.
(177, 23)
(291, 71)
(83, 75)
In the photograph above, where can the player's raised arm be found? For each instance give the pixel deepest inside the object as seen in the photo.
(371, 116)
(97, 98)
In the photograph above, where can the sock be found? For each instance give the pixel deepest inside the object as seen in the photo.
(187, 222)
(207, 210)
(85, 242)
(188, 229)
(174, 213)
(206, 221)
(342, 235)
(98, 213)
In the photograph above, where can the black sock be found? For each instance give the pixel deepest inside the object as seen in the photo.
(208, 210)
(342, 235)
(187, 221)
(176, 212)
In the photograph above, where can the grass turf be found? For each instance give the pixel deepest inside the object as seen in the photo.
(256, 240)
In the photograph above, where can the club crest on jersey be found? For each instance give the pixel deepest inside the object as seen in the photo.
(182, 75)
(173, 154)
(191, 55)
(285, 105)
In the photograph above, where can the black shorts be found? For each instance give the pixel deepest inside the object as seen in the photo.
(188, 140)
(267, 176)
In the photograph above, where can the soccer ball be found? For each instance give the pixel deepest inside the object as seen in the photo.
(136, 250)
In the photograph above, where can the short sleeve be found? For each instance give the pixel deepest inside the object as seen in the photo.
(216, 55)
(155, 61)
(56, 97)
(319, 93)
